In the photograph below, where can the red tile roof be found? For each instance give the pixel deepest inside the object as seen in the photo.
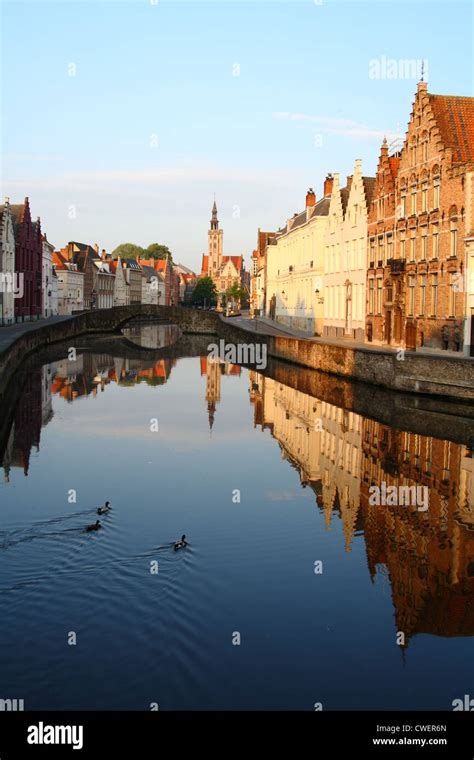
(205, 264)
(455, 119)
(236, 260)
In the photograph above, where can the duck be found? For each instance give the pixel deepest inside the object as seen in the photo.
(94, 526)
(181, 543)
(106, 508)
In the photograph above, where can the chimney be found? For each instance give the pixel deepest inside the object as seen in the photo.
(96, 247)
(103, 254)
(310, 202)
(328, 182)
(349, 183)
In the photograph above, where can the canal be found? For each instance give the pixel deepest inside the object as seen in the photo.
(296, 589)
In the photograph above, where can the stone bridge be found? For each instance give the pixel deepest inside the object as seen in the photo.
(194, 321)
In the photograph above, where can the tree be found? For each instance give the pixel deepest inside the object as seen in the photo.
(205, 292)
(159, 251)
(236, 293)
(128, 251)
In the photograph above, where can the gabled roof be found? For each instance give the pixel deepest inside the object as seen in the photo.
(344, 193)
(321, 208)
(132, 264)
(205, 263)
(235, 260)
(455, 119)
(369, 184)
(18, 211)
(161, 265)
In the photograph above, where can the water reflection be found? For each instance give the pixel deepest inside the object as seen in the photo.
(429, 556)
(152, 335)
(305, 467)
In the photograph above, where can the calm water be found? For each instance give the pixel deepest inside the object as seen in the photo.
(265, 481)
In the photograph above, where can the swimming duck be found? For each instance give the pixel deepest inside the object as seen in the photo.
(181, 544)
(94, 526)
(106, 508)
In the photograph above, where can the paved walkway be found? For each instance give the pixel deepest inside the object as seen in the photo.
(259, 326)
(9, 333)
(266, 326)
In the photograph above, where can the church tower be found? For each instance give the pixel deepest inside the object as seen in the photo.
(215, 237)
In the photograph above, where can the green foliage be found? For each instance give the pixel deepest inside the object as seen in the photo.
(205, 292)
(237, 293)
(128, 251)
(159, 251)
(132, 251)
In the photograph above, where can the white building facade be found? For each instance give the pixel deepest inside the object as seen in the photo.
(345, 257)
(8, 280)
(295, 267)
(48, 281)
(70, 288)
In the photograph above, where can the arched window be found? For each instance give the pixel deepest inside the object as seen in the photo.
(436, 186)
(424, 146)
(424, 191)
(413, 194)
(403, 199)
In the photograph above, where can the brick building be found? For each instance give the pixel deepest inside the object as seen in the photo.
(28, 262)
(258, 279)
(428, 555)
(432, 200)
(420, 230)
(384, 289)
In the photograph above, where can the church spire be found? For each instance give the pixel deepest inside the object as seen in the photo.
(214, 219)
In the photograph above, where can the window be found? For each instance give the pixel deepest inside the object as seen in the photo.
(424, 244)
(425, 149)
(434, 295)
(453, 227)
(436, 186)
(411, 295)
(435, 242)
(403, 203)
(389, 247)
(379, 295)
(372, 252)
(371, 296)
(453, 286)
(422, 294)
(413, 248)
(417, 451)
(380, 251)
(402, 245)
(413, 199)
(429, 456)
(424, 196)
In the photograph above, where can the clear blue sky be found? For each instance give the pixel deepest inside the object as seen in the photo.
(303, 104)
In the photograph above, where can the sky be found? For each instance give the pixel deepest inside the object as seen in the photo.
(121, 120)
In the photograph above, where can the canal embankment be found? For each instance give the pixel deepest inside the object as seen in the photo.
(435, 375)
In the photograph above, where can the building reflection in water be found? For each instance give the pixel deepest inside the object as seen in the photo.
(428, 556)
(213, 368)
(151, 335)
(70, 379)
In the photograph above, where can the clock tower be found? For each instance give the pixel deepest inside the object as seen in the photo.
(215, 239)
